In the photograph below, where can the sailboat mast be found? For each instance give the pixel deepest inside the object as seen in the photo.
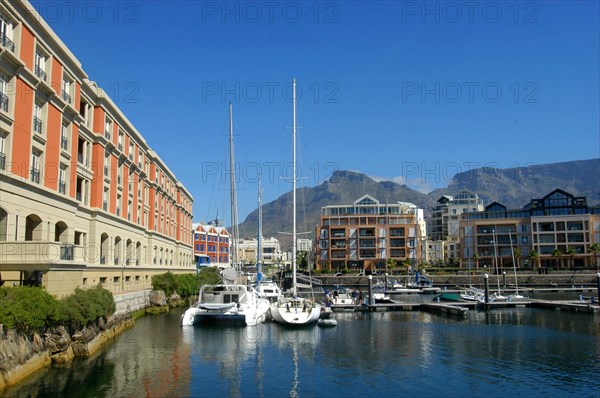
(259, 235)
(294, 189)
(234, 222)
(512, 253)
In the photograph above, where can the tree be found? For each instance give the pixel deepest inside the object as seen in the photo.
(535, 258)
(518, 254)
(571, 253)
(476, 259)
(391, 264)
(557, 254)
(595, 248)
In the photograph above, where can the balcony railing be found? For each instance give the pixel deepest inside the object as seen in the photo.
(8, 43)
(4, 102)
(2, 161)
(35, 176)
(39, 72)
(66, 97)
(62, 187)
(37, 125)
(66, 252)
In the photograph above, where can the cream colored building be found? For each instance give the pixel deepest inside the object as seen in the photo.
(83, 198)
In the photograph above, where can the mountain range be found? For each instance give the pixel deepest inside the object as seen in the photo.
(513, 187)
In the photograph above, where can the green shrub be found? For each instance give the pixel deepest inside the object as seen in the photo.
(166, 282)
(27, 309)
(187, 285)
(209, 276)
(85, 307)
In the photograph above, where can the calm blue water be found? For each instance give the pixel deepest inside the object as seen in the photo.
(520, 352)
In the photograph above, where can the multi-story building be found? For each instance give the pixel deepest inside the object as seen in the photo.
(304, 245)
(211, 244)
(84, 199)
(559, 228)
(443, 225)
(365, 234)
(270, 247)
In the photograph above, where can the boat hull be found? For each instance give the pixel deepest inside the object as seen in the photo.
(295, 312)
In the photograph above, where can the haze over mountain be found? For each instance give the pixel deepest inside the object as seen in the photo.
(513, 187)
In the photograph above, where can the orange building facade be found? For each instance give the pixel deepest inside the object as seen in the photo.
(83, 198)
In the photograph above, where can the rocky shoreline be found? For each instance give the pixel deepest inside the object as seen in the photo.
(21, 355)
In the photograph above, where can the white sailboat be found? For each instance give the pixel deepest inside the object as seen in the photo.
(295, 310)
(229, 300)
(516, 296)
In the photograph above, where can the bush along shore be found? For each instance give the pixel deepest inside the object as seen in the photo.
(36, 329)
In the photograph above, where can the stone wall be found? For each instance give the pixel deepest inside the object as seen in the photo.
(129, 302)
(20, 355)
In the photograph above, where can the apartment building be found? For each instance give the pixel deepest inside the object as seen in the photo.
(443, 237)
(270, 247)
(559, 229)
(211, 244)
(365, 234)
(83, 198)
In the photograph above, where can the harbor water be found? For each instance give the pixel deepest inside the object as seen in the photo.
(500, 353)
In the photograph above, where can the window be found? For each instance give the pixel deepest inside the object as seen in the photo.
(62, 183)
(66, 89)
(106, 164)
(120, 142)
(118, 204)
(2, 153)
(107, 129)
(64, 136)
(37, 117)
(3, 93)
(40, 65)
(120, 173)
(35, 166)
(6, 33)
(105, 199)
(130, 151)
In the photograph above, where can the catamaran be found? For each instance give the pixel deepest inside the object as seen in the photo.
(295, 310)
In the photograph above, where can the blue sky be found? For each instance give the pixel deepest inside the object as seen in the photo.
(401, 90)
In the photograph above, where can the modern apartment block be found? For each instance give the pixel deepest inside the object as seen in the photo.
(365, 234)
(559, 228)
(83, 198)
(211, 244)
(443, 225)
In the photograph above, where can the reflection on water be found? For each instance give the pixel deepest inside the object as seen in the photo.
(498, 353)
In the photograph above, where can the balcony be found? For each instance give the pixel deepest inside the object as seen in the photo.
(8, 43)
(62, 187)
(36, 253)
(64, 143)
(66, 97)
(40, 73)
(2, 161)
(4, 102)
(37, 125)
(35, 176)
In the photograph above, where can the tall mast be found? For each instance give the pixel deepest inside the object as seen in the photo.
(259, 235)
(234, 221)
(294, 189)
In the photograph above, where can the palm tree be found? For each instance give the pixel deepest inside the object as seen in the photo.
(571, 253)
(595, 248)
(476, 259)
(535, 258)
(556, 253)
(518, 254)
